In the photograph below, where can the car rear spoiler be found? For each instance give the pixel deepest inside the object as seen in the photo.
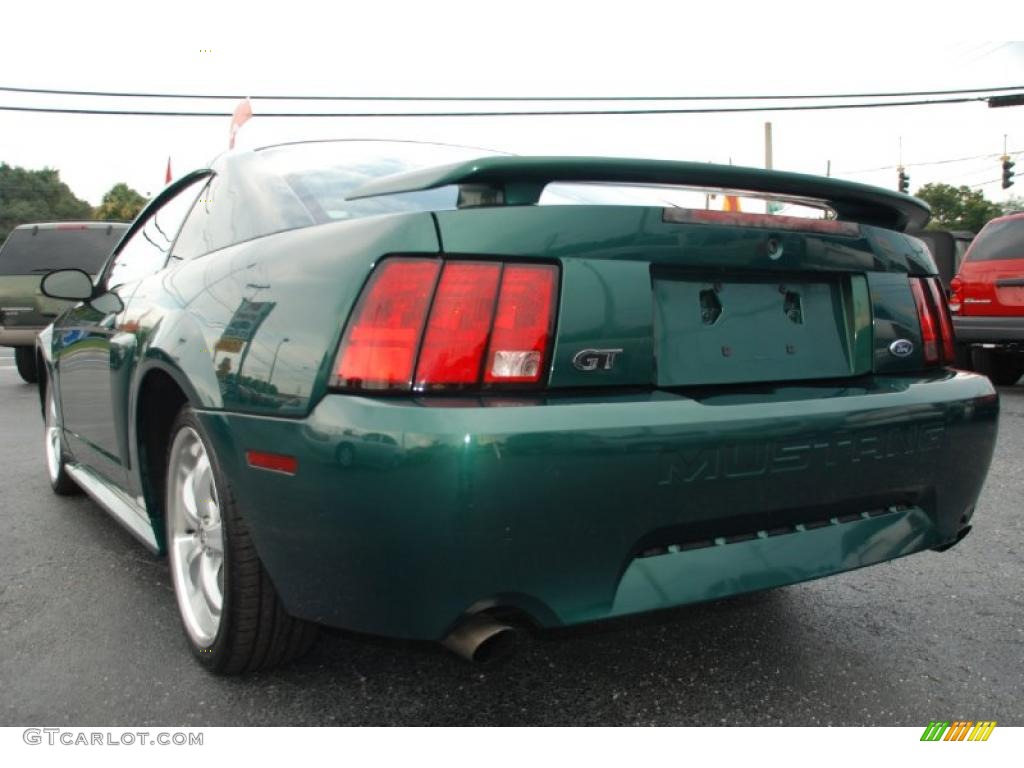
(518, 180)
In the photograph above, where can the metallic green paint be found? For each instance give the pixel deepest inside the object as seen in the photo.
(672, 579)
(404, 514)
(609, 305)
(638, 233)
(307, 306)
(753, 338)
(895, 317)
(172, 321)
(608, 255)
(407, 512)
(522, 179)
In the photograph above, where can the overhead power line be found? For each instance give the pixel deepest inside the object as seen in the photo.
(293, 97)
(502, 113)
(932, 162)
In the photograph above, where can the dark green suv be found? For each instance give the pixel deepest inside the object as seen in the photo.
(31, 251)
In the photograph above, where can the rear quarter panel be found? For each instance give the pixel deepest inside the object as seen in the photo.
(254, 328)
(180, 320)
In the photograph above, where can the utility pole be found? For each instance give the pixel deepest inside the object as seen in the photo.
(828, 168)
(270, 376)
(770, 206)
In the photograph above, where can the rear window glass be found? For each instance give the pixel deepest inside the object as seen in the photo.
(323, 174)
(999, 240)
(961, 249)
(34, 251)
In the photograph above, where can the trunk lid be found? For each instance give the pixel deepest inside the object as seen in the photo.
(654, 297)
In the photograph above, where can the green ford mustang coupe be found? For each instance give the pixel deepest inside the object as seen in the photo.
(431, 392)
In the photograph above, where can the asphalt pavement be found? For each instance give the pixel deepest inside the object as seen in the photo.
(89, 635)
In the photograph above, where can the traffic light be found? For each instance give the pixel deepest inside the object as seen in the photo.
(904, 181)
(1007, 172)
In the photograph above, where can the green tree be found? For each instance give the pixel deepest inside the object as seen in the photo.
(121, 203)
(28, 196)
(958, 207)
(1013, 204)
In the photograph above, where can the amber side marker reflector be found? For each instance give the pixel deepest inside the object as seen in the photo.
(275, 462)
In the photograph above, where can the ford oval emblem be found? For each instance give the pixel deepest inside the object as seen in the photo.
(902, 348)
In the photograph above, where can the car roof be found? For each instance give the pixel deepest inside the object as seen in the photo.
(70, 225)
(852, 201)
(1007, 217)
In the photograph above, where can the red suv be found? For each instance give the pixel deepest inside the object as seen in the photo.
(987, 300)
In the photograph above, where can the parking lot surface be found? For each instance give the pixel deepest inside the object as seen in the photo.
(89, 635)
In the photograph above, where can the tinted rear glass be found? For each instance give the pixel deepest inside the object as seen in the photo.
(999, 240)
(322, 174)
(38, 251)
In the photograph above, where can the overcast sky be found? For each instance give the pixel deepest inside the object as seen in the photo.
(515, 48)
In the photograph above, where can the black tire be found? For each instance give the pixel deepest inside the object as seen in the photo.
(56, 457)
(25, 359)
(1003, 369)
(255, 632)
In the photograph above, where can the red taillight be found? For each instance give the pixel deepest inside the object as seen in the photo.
(379, 347)
(460, 321)
(956, 297)
(929, 333)
(485, 323)
(936, 326)
(522, 324)
(945, 322)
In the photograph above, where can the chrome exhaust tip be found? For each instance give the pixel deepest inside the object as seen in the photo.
(481, 639)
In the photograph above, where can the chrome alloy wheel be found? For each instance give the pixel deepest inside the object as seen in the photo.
(196, 545)
(52, 437)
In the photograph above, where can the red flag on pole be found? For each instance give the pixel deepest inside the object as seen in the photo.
(168, 176)
(242, 113)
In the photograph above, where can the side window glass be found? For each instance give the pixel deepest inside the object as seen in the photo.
(195, 239)
(146, 251)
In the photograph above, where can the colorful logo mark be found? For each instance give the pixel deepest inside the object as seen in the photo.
(959, 730)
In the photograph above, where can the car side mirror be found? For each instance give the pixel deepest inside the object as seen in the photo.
(76, 285)
(69, 284)
(108, 303)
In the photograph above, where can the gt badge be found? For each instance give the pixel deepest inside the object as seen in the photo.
(595, 359)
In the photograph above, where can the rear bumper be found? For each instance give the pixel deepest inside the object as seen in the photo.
(404, 515)
(990, 330)
(18, 337)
